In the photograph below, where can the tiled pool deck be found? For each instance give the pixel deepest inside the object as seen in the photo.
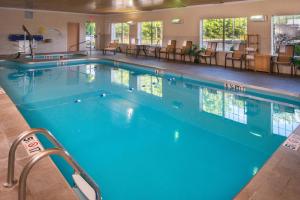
(278, 179)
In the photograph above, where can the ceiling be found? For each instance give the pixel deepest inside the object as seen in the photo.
(104, 6)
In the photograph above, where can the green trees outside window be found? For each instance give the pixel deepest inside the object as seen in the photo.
(120, 32)
(226, 31)
(150, 33)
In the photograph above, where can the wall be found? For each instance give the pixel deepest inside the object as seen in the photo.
(191, 16)
(11, 21)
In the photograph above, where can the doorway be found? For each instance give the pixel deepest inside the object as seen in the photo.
(90, 35)
(73, 36)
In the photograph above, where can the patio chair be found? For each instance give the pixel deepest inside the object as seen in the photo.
(284, 58)
(112, 46)
(170, 49)
(236, 55)
(210, 52)
(131, 48)
(185, 50)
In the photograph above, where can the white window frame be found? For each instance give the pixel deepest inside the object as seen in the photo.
(113, 32)
(139, 30)
(223, 39)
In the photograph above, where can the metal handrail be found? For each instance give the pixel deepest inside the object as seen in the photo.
(85, 41)
(30, 39)
(10, 181)
(41, 155)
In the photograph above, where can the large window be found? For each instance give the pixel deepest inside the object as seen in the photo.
(227, 32)
(120, 32)
(286, 30)
(150, 33)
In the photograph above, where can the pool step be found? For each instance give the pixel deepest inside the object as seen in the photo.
(83, 188)
(79, 193)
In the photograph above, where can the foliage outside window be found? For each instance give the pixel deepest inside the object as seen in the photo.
(120, 76)
(150, 33)
(150, 84)
(228, 32)
(120, 32)
(90, 32)
(286, 30)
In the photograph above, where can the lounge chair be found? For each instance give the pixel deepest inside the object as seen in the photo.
(210, 52)
(170, 49)
(236, 55)
(185, 50)
(112, 46)
(284, 58)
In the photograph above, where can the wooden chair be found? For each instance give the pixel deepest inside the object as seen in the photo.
(210, 52)
(236, 55)
(131, 48)
(185, 50)
(284, 58)
(112, 46)
(170, 49)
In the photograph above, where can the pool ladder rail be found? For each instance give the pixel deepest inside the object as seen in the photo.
(83, 182)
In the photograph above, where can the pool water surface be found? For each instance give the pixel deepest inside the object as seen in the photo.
(146, 136)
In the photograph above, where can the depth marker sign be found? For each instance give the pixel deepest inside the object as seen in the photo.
(32, 145)
(292, 143)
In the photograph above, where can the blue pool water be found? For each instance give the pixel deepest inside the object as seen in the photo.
(146, 136)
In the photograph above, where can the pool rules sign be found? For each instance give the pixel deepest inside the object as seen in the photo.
(32, 145)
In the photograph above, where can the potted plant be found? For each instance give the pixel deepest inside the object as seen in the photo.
(196, 51)
(296, 58)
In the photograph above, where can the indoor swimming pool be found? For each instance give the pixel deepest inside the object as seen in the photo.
(144, 134)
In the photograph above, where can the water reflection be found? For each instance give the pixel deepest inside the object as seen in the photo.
(284, 119)
(223, 104)
(91, 73)
(180, 98)
(150, 84)
(120, 76)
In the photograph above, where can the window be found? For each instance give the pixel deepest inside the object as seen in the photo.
(120, 76)
(120, 32)
(227, 32)
(150, 84)
(150, 33)
(286, 30)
